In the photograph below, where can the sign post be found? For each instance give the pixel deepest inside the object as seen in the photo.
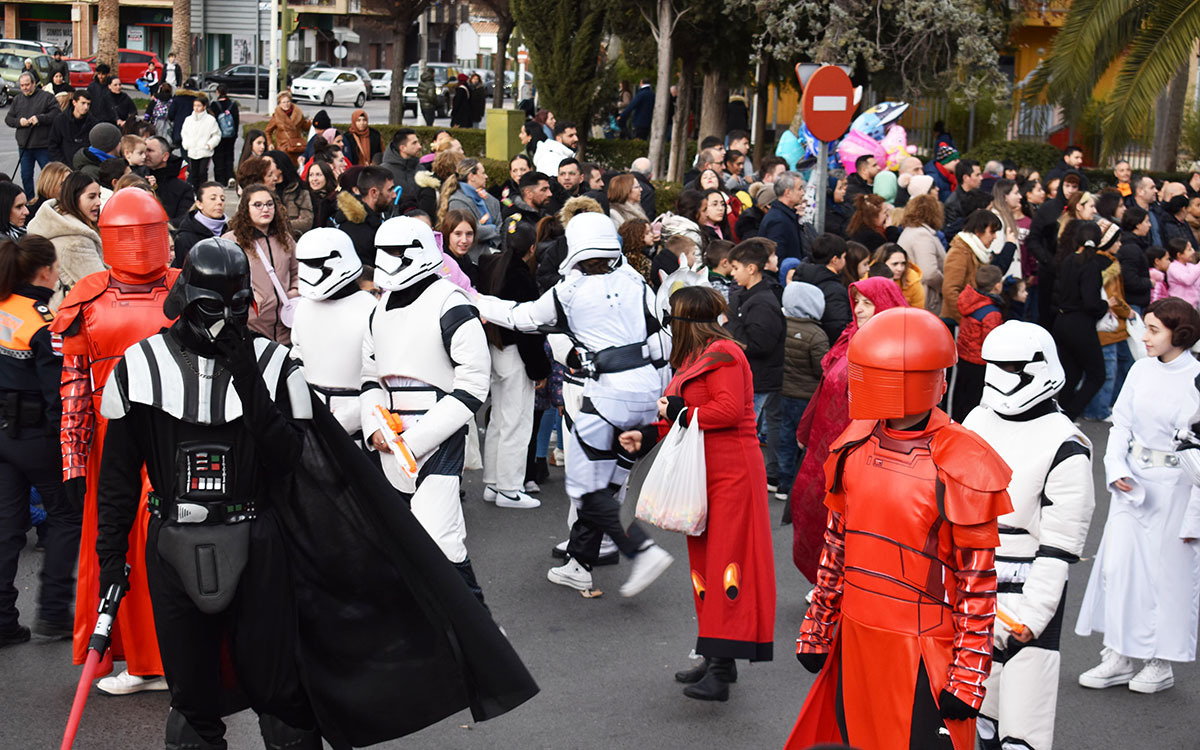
(828, 107)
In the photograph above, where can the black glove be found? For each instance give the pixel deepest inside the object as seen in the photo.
(110, 574)
(812, 662)
(675, 405)
(74, 490)
(235, 352)
(954, 709)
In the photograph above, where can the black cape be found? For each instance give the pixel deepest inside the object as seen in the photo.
(389, 639)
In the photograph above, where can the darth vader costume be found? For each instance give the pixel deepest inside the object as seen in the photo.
(286, 576)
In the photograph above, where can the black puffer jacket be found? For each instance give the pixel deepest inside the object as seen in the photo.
(190, 232)
(1135, 268)
(756, 320)
(355, 219)
(837, 297)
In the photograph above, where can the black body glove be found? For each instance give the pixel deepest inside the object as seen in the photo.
(954, 709)
(675, 405)
(74, 491)
(812, 662)
(114, 573)
(235, 352)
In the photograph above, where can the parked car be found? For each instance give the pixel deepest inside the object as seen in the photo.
(131, 63)
(41, 63)
(443, 73)
(510, 83)
(298, 68)
(238, 79)
(381, 83)
(28, 47)
(81, 72)
(329, 86)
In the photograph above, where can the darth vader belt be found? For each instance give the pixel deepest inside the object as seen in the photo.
(1149, 458)
(184, 511)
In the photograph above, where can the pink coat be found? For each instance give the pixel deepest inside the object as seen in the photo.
(1183, 281)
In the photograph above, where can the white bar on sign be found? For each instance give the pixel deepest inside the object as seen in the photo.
(829, 103)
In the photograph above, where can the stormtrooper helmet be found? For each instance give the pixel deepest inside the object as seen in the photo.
(405, 253)
(589, 236)
(1023, 368)
(327, 262)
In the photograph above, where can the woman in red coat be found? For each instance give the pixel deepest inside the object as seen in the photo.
(828, 413)
(732, 563)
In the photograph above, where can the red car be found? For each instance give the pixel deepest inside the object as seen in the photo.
(81, 72)
(131, 63)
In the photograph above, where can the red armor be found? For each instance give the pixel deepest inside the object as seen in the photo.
(906, 581)
(101, 318)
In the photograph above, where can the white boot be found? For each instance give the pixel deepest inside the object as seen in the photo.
(572, 575)
(648, 565)
(1113, 669)
(1155, 677)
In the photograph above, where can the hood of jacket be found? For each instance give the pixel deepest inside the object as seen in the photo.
(971, 299)
(351, 207)
(811, 273)
(580, 204)
(392, 157)
(803, 300)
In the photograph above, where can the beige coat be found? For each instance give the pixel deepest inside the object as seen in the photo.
(282, 254)
(77, 245)
(926, 252)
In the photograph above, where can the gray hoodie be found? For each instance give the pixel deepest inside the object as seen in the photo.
(806, 342)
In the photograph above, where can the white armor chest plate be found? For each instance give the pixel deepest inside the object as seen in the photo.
(329, 334)
(408, 340)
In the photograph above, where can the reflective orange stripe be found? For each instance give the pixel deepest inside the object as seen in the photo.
(19, 321)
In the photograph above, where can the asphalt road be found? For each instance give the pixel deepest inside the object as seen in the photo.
(604, 665)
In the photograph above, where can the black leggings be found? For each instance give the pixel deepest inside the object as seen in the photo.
(1079, 350)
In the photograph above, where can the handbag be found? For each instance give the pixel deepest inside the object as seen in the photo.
(287, 305)
(1137, 329)
(674, 495)
(1110, 322)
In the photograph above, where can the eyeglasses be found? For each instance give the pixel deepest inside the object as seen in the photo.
(261, 205)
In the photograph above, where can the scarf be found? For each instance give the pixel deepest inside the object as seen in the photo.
(216, 226)
(480, 204)
(982, 253)
(362, 138)
(102, 156)
(948, 175)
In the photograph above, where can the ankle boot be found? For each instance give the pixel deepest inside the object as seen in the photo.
(714, 686)
(693, 675)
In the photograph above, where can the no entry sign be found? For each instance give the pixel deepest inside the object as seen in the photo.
(828, 103)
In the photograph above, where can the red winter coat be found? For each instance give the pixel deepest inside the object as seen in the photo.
(732, 563)
(980, 314)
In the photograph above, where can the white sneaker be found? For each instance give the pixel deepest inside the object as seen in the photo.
(489, 494)
(560, 458)
(1113, 669)
(648, 565)
(127, 684)
(517, 500)
(532, 487)
(607, 546)
(1155, 677)
(572, 575)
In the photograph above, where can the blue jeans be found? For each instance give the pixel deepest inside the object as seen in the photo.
(28, 157)
(1100, 405)
(790, 412)
(551, 420)
(766, 412)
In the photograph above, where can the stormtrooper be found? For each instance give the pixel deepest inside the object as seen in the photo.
(1052, 497)
(606, 310)
(425, 359)
(102, 316)
(330, 322)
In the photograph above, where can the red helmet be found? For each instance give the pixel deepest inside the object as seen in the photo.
(898, 364)
(133, 232)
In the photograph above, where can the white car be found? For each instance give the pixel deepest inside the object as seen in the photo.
(329, 86)
(381, 83)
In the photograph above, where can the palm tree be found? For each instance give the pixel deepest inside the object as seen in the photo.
(1151, 40)
(107, 31)
(181, 35)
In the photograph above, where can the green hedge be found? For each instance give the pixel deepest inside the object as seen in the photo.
(473, 140)
(1039, 156)
(665, 195)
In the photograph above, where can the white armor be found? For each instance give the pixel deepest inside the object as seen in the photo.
(428, 362)
(405, 252)
(326, 262)
(327, 339)
(1052, 496)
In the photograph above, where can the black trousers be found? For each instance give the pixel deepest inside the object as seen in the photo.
(600, 514)
(428, 113)
(198, 171)
(222, 160)
(968, 389)
(217, 664)
(33, 459)
(1082, 360)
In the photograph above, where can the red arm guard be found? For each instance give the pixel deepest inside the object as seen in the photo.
(78, 417)
(816, 632)
(974, 616)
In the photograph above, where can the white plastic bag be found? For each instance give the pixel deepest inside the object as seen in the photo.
(1137, 329)
(674, 495)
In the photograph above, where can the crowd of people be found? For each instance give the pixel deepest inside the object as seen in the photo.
(560, 318)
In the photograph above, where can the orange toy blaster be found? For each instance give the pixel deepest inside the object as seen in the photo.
(1016, 627)
(392, 426)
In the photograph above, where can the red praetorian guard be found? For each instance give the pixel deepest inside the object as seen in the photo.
(900, 624)
(102, 316)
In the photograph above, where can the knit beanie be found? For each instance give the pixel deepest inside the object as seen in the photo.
(104, 137)
(945, 154)
(919, 184)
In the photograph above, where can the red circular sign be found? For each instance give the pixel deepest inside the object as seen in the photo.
(828, 103)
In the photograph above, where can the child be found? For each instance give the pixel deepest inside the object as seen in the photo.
(677, 250)
(806, 344)
(980, 307)
(133, 150)
(716, 258)
(756, 320)
(1159, 263)
(1015, 294)
(1183, 274)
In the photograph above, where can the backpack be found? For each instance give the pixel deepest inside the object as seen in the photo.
(225, 123)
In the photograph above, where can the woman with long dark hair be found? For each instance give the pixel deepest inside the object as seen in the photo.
(518, 362)
(14, 209)
(732, 562)
(297, 201)
(30, 450)
(260, 228)
(637, 242)
(70, 223)
(1078, 283)
(531, 135)
(458, 237)
(255, 144)
(322, 189)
